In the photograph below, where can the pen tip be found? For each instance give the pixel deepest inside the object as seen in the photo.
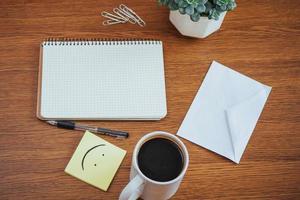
(51, 122)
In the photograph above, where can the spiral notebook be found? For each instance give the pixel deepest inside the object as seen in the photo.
(101, 79)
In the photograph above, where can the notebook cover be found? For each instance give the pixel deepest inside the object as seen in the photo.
(139, 117)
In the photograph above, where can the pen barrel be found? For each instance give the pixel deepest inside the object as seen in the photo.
(73, 126)
(113, 132)
(65, 124)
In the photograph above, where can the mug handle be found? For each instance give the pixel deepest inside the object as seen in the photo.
(133, 189)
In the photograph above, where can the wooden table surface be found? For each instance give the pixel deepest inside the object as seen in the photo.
(260, 39)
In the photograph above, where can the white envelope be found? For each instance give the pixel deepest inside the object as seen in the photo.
(224, 112)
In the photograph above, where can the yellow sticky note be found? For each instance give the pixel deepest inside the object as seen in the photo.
(95, 161)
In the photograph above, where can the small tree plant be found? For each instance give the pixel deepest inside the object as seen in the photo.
(197, 8)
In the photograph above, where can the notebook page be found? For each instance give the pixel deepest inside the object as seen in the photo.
(103, 81)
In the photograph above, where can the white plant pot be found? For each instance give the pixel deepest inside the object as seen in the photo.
(201, 29)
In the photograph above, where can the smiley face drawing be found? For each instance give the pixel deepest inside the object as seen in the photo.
(95, 161)
(88, 151)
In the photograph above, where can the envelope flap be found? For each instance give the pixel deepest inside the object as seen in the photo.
(242, 119)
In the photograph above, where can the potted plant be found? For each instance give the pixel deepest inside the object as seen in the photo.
(198, 18)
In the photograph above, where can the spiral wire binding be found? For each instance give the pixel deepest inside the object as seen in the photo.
(97, 41)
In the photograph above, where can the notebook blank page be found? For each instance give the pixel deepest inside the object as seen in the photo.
(103, 82)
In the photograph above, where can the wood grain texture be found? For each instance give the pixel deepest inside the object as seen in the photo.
(260, 39)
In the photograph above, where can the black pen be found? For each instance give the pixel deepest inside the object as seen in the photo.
(74, 126)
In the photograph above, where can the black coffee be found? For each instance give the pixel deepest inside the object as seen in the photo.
(160, 159)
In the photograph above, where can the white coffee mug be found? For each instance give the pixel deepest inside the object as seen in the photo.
(142, 186)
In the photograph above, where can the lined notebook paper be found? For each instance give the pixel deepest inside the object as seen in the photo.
(102, 80)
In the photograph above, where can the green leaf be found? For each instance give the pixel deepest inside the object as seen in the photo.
(195, 17)
(221, 8)
(208, 7)
(173, 6)
(182, 4)
(221, 2)
(192, 2)
(214, 14)
(189, 10)
(200, 8)
(182, 11)
(202, 1)
(231, 5)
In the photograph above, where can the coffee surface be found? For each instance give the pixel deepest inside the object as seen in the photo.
(160, 159)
